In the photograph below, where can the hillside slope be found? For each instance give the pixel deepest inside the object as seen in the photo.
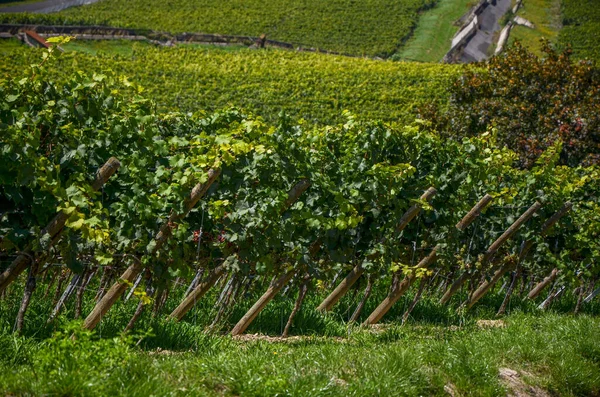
(371, 27)
(315, 87)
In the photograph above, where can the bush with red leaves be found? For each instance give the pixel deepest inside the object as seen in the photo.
(532, 101)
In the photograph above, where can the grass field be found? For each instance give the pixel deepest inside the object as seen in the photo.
(438, 349)
(373, 27)
(545, 15)
(433, 35)
(315, 87)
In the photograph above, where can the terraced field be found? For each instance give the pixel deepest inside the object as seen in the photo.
(372, 27)
(315, 87)
(581, 20)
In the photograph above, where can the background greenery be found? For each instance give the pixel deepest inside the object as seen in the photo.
(315, 87)
(371, 27)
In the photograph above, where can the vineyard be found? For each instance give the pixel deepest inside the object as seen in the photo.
(580, 20)
(314, 87)
(204, 220)
(99, 185)
(373, 28)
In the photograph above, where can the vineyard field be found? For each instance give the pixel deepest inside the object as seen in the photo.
(372, 27)
(315, 87)
(581, 27)
(234, 219)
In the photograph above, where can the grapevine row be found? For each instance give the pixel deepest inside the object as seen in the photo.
(199, 197)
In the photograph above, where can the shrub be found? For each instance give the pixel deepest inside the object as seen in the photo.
(532, 101)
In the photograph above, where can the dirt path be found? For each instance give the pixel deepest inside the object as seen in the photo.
(477, 48)
(46, 6)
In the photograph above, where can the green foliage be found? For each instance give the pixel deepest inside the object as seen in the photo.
(373, 27)
(533, 102)
(433, 34)
(315, 87)
(581, 27)
(364, 176)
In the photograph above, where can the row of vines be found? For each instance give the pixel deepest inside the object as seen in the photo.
(313, 87)
(372, 28)
(580, 27)
(94, 179)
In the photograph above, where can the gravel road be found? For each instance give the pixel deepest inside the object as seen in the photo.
(46, 6)
(477, 48)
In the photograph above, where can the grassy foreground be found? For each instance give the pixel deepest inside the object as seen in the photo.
(556, 353)
(438, 348)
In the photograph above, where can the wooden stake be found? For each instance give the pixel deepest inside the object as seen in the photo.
(397, 292)
(297, 305)
(543, 284)
(511, 231)
(273, 289)
(485, 287)
(197, 293)
(415, 301)
(362, 302)
(29, 288)
(474, 212)
(341, 289)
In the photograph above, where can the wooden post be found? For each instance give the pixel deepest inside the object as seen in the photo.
(357, 271)
(543, 284)
(341, 289)
(273, 289)
(27, 293)
(513, 283)
(112, 295)
(362, 302)
(197, 293)
(109, 299)
(413, 211)
(488, 284)
(293, 195)
(54, 227)
(397, 293)
(301, 295)
(491, 251)
(511, 231)
(474, 212)
(415, 301)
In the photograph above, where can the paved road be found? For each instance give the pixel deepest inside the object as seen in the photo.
(477, 48)
(46, 6)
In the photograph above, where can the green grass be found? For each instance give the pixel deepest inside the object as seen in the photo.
(432, 38)
(558, 353)
(312, 86)
(369, 27)
(439, 345)
(545, 15)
